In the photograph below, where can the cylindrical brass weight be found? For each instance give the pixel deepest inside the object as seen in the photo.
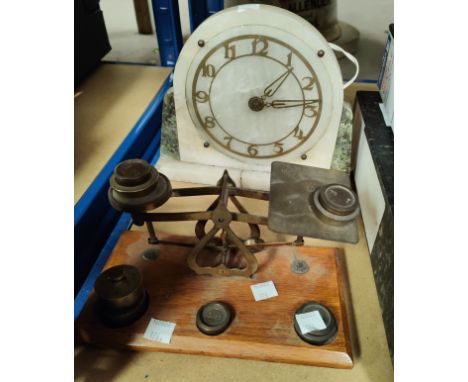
(322, 336)
(120, 296)
(334, 204)
(136, 186)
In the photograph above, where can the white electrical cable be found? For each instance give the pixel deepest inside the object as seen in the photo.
(351, 58)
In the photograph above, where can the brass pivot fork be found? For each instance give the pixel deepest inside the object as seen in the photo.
(221, 217)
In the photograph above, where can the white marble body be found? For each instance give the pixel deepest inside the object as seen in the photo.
(369, 191)
(247, 77)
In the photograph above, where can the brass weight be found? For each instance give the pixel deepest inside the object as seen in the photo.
(120, 296)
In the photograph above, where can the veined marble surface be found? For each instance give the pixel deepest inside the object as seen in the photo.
(169, 141)
(341, 156)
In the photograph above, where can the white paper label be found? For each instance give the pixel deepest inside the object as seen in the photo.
(160, 331)
(264, 290)
(310, 322)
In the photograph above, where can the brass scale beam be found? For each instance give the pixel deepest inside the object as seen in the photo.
(221, 217)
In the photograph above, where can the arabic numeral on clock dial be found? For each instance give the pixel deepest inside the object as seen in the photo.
(260, 46)
(298, 133)
(288, 64)
(252, 150)
(308, 83)
(278, 149)
(209, 122)
(202, 96)
(229, 51)
(208, 70)
(228, 144)
(313, 111)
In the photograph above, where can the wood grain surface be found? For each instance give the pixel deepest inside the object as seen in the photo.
(260, 330)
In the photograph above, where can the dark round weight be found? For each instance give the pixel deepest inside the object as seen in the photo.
(213, 318)
(136, 186)
(122, 317)
(334, 204)
(318, 337)
(120, 296)
(338, 199)
(132, 172)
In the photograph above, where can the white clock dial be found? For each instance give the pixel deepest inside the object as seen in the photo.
(256, 96)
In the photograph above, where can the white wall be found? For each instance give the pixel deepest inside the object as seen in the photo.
(371, 18)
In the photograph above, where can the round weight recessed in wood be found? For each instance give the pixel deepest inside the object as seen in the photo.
(318, 337)
(120, 296)
(213, 318)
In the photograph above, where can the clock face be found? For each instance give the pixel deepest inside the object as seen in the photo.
(259, 84)
(256, 96)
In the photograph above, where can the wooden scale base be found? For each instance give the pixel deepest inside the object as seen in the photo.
(260, 330)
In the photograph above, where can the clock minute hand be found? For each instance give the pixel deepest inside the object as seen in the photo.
(274, 86)
(283, 104)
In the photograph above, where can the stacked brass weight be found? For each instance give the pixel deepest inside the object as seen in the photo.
(335, 204)
(136, 186)
(120, 296)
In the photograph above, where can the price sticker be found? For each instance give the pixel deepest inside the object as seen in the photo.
(264, 291)
(310, 322)
(159, 331)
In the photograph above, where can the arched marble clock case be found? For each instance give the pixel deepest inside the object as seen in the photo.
(254, 84)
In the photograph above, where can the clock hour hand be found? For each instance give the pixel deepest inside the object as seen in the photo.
(274, 86)
(283, 104)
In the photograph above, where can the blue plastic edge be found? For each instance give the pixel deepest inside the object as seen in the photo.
(128, 63)
(94, 217)
(123, 224)
(198, 12)
(215, 6)
(102, 179)
(168, 31)
(366, 81)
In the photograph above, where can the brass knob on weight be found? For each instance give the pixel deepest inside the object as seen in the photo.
(136, 186)
(132, 172)
(214, 318)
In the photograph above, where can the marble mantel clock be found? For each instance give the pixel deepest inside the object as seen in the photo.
(254, 84)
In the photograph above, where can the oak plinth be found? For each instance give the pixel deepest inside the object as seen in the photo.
(260, 330)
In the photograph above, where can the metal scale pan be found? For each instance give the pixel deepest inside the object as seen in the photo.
(312, 202)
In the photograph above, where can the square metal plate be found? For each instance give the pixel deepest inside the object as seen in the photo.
(289, 210)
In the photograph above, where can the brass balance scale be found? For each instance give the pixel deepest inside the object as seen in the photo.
(178, 278)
